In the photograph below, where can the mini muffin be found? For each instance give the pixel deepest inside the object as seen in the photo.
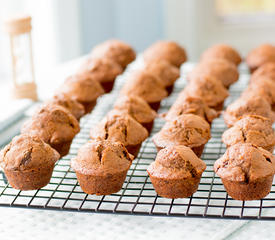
(219, 68)
(247, 106)
(101, 166)
(165, 71)
(120, 128)
(251, 129)
(166, 50)
(194, 105)
(104, 70)
(70, 104)
(28, 162)
(246, 171)
(259, 56)
(83, 89)
(267, 70)
(222, 51)
(176, 172)
(117, 50)
(55, 125)
(188, 129)
(146, 86)
(138, 109)
(209, 89)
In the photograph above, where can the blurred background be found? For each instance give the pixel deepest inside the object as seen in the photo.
(66, 29)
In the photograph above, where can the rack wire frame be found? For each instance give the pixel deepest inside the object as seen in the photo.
(137, 196)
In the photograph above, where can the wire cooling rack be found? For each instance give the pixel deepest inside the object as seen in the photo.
(137, 196)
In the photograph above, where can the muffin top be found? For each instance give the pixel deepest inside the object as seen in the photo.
(70, 104)
(164, 70)
(247, 106)
(187, 129)
(219, 68)
(144, 85)
(119, 128)
(208, 88)
(176, 162)
(194, 105)
(250, 129)
(101, 69)
(262, 54)
(102, 157)
(222, 51)
(165, 50)
(245, 162)
(27, 152)
(136, 107)
(53, 124)
(266, 70)
(119, 51)
(81, 88)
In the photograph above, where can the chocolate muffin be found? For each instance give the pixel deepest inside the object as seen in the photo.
(83, 89)
(101, 166)
(28, 162)
(166, 50)
(146, 86)
(194, 105)
(209, 89)
(267, 70)
(138, 109)
(251, 129)
(219, 68)
(247, 106)
(176, 172)
(117, 50)
(120, 128)
(246, 171)
(165, 71)
(70, 104)
(222, 51)
(104, 70)
(188, 129)
(55, 125)
(259, 56)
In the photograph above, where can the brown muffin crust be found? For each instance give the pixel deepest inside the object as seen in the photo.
(28, 162)
(176, 172)
(219, 68)
(114, 49)
(259, 56)
(251, 129)
(246, 171)
(266, 70)
(165, 50)
(101, 166)
(223, 51)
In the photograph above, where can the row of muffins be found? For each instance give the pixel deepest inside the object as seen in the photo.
(29, 159)
(177, 169)
(129, 123)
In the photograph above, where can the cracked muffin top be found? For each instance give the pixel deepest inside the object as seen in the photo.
(114, 49)
(251, 129)
(222, 51)
(165, 50)
(101, 69)
(136, 107)
(267, 70)
(102, 157)
(119, 128)
(194, 105)
(176, 162)
(27, 152)
(53, 124)
(245, 162)
(144, 85)
(187, 129)
(219, 68)
(164, 70)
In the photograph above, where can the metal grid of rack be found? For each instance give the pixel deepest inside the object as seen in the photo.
(138, 197)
